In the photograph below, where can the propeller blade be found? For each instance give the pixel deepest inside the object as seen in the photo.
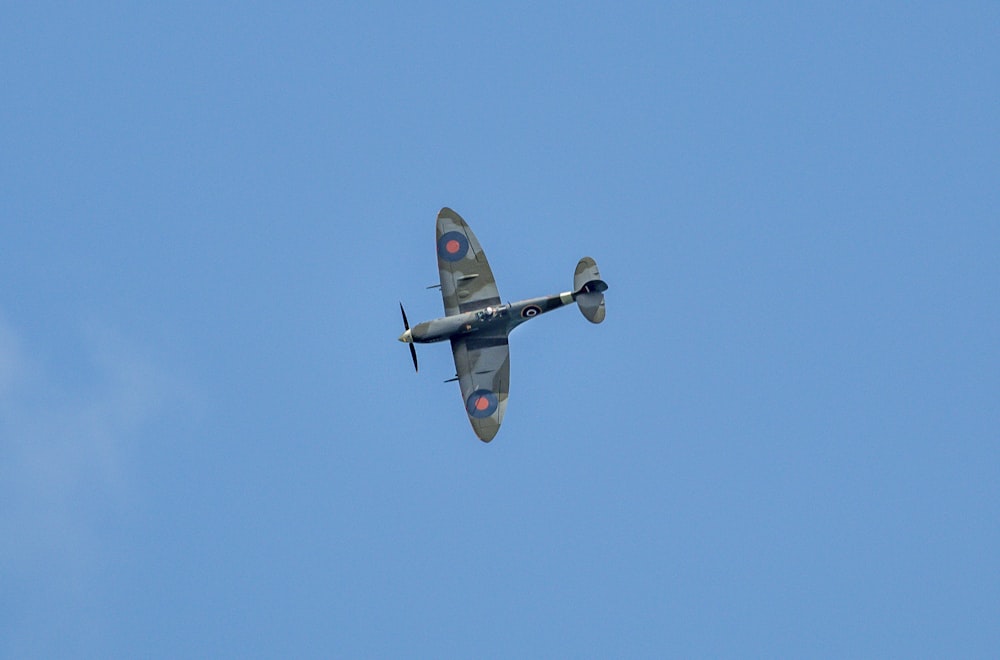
(406, 324)
(413, 350)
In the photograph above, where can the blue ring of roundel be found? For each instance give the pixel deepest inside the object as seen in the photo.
(531, 311)
(470, 404)
(463, 246)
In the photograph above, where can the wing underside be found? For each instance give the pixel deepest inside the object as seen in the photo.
(467, 281)
(483, 368)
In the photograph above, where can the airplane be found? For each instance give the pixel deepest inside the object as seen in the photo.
(478, 325)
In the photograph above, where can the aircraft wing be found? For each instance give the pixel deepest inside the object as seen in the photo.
(467, 282)
(483, 368)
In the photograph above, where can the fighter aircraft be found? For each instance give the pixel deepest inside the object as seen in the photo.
(477, 324)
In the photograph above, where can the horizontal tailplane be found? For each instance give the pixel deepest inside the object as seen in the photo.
(589, 290)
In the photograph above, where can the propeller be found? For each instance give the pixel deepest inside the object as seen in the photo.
(413, 350)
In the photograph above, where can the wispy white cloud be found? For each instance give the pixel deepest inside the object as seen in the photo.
(66, 438)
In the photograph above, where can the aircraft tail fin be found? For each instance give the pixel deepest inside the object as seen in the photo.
(589, 288)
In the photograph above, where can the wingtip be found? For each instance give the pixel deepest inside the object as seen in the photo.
(485, 432)
(447, 214)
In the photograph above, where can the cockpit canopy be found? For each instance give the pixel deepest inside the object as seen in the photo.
(489, 313)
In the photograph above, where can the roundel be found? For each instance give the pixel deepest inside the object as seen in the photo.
(452, 246)
(481, 403)
(531, 310)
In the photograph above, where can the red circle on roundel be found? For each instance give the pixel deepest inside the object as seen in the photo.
(482, 403)
(452, 246)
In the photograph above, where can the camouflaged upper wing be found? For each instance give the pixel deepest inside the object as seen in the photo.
(466, 279)
(483, 367)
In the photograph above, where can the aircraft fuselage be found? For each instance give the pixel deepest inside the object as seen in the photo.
(498, 320)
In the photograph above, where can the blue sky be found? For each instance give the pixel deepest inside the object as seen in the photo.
(782, 442)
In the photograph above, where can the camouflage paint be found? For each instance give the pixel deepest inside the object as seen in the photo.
(479, 341)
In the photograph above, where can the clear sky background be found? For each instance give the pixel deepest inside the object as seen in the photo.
(782, 442)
